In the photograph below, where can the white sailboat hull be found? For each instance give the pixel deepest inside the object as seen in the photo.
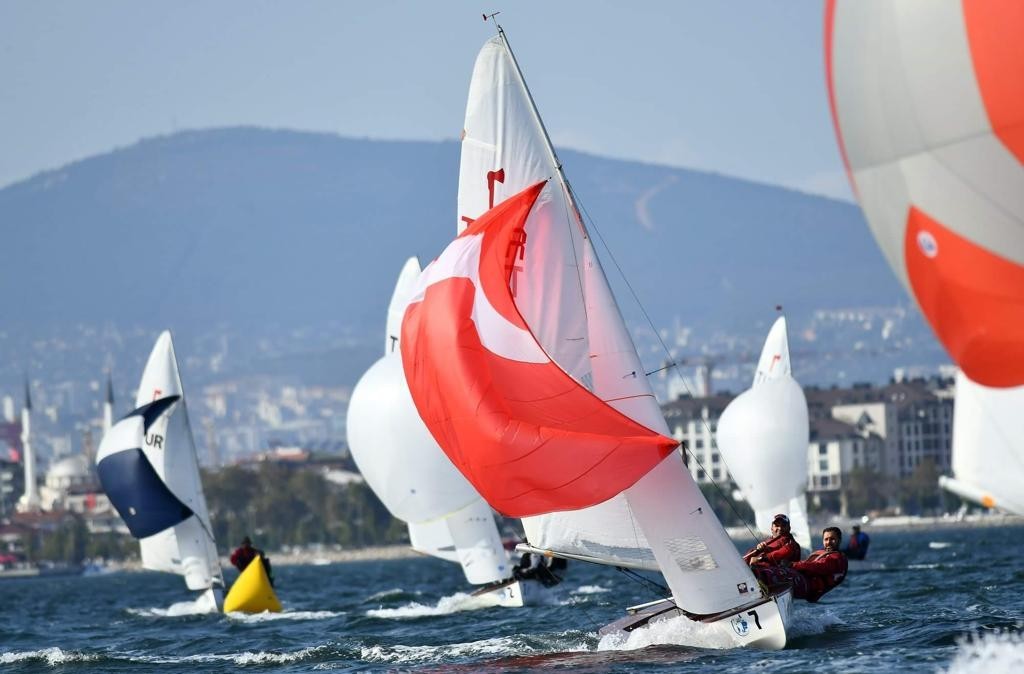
(759, 625)
(518, 593)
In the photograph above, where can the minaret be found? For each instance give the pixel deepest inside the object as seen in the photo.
(29, 501)
(108, 406)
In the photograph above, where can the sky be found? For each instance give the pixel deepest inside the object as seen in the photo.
(734, 87)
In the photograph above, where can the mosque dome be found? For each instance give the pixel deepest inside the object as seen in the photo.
(69, 470)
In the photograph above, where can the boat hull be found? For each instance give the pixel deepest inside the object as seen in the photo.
(516, 594)
(762, 625)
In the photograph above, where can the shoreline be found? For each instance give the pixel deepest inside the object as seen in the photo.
(903, 523)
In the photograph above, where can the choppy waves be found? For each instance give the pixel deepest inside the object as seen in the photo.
(994, 653)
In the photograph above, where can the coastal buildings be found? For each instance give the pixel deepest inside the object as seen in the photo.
(886, 431)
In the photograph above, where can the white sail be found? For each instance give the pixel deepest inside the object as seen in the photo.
(763, 435)
(407, 470)
(564, 297)
(395, 452)
(188, 549)
(411, 271)
(988, 445)
(147, 464)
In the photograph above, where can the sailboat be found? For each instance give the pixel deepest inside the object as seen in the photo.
(988, 445)
(763, 436)
(414, 479)
(928, 125)
(148, 468)
(519, 362)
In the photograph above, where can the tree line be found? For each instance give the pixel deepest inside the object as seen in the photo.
(275, 504)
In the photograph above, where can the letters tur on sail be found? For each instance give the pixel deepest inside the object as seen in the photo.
(147, 464)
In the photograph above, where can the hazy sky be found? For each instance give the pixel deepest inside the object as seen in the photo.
(728, 86)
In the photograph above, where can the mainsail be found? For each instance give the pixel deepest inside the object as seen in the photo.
(763, 435)
(148, 467)
(408, 471)
(518, 360)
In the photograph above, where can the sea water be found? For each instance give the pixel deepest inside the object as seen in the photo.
(948, 600)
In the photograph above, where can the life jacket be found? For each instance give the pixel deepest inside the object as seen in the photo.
(819, 578)
(782, 548)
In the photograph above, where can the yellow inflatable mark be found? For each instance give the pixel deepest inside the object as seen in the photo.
(252, 592)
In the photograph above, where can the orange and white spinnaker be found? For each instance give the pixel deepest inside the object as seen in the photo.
(928, 104)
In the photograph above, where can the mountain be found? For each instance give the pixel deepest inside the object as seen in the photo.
(252, 228)
(250, 225)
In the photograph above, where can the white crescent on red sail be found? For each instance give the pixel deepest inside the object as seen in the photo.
(525, 433)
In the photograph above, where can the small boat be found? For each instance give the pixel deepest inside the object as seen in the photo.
(763, 435)
(148, 468)
(414, 479)
(519, 363)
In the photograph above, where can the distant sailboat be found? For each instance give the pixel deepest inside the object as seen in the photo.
(519, 362)
(988, 446)
(411, 475)
(926, 103)
(148, 468)
(763, 435)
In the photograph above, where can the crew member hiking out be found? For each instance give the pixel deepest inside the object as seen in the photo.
(822, 570)
(245, 553)
(779, 548)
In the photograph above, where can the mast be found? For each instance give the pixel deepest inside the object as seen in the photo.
(562, 180)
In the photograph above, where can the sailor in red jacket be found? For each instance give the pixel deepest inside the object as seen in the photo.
(822, 570)
(781, 548)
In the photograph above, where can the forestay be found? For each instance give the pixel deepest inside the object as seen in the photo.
(504, 150)
(563, 295)
(763, 435)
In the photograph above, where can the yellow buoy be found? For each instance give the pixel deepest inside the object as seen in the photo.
(252, 592)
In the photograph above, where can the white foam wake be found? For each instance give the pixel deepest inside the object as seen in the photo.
(811, 619)
(678, 631)
(181, 608)
(243, 658)
(399, 654)
(51, 656)
(486, 648)
(938, 545)
(590, 589)
(459, 601)
(267, 616)
(995, 653)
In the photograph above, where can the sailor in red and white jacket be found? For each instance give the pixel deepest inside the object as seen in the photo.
(822, 570)
(781, 548)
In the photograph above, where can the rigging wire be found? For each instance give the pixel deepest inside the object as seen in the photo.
(581, 213)
(664, 347)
